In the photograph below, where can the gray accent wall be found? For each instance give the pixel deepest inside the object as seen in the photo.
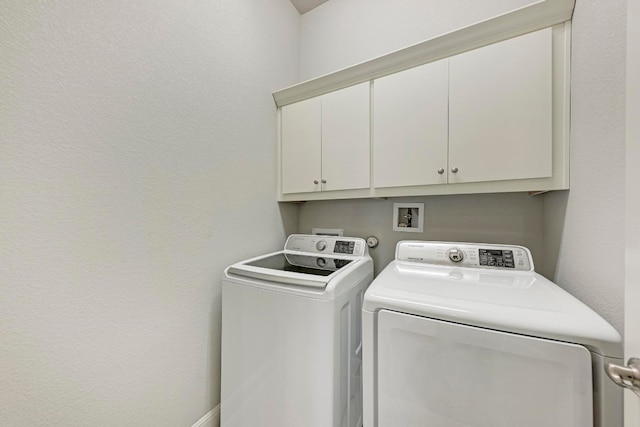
(508, 218)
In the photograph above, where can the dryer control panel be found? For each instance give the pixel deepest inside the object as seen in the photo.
(480, 255)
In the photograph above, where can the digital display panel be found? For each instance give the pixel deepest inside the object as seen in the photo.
(343, 247)
(496, 258)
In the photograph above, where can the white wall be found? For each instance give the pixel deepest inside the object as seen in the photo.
(342, 33)
(137, 155)
(585, 226)
(582, 229)
(632, 194)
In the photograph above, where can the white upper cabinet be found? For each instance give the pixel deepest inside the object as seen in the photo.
(490, 119)
(345, 138)
(325, 142)
(410, 127)
(500, 111)
(300, 149)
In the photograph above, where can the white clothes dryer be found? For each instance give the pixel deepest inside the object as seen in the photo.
(291, 335)
(469, 335)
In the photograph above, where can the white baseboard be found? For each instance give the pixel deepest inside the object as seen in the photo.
(210, 419)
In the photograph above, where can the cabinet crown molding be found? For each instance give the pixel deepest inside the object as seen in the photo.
(529, 18)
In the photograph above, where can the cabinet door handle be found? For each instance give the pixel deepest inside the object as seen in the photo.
(440, 171)
(324, 181)
(315, 181)
(454, 169)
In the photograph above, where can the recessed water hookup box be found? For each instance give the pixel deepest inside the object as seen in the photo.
(408, 217)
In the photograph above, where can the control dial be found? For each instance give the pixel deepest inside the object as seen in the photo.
(372, 241)
(321, 262)
(455, 255)
(321, 245)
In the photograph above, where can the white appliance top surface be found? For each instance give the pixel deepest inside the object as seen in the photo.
(307, 260)
(499, 298)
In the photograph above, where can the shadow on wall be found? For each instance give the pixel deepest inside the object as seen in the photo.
(507, 218)
(555, 211)
(289, 213)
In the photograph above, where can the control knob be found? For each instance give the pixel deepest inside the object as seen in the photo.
(321, 245)
(455, 255)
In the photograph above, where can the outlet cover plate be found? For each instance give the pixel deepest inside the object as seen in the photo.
(328, 231)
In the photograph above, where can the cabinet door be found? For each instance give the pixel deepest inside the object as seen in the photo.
(301, 149)
(500, 111)
(410, 127)
(345, 138)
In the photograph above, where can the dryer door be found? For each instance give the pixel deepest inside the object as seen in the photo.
(443, 374)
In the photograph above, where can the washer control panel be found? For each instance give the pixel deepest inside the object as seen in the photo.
(318, 244)
(503, 257)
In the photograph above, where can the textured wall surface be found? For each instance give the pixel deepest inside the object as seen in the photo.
(586, 224)
(338, 34)
(632, 181)
(137, 155)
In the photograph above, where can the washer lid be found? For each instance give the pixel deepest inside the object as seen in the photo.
(307, 260)
(293, 268)
(522, 302)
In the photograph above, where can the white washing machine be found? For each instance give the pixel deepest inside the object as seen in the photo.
(458, 334)
(291, 335)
